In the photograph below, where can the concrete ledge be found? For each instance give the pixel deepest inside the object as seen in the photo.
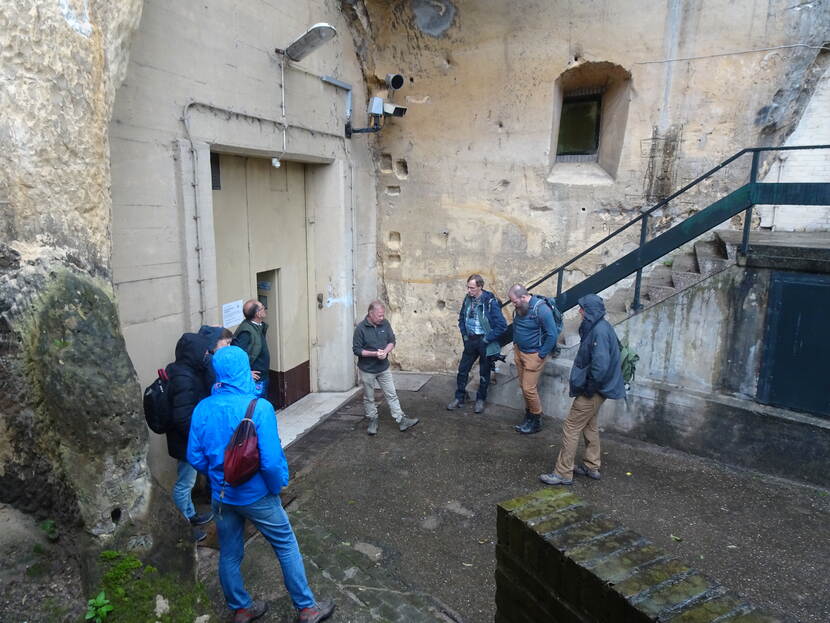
(558, 560)
(297, 419)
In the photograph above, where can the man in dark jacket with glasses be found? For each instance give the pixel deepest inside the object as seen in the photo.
(481, 324)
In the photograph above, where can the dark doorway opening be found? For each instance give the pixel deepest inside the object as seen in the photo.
(794, 364)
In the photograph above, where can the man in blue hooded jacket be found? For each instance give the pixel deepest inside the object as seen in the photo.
(595, 376)
(481, 324)
(212, 426)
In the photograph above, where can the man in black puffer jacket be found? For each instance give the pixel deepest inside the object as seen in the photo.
(595, 376)
(191, 377)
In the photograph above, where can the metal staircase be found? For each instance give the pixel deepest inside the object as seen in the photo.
(708, 256)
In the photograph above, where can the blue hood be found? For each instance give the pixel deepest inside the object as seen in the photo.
(594, 312)
(233, 372)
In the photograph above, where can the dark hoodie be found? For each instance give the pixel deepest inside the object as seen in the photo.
(190, 379)
(596, 368)
(214, 422)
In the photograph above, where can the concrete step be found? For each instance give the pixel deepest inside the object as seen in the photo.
(685, 262)
(620, 301)
(684, 271)
(800, 251)
(711, 256)
(660, 275)
(656, 292)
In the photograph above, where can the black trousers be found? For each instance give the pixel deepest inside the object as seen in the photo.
(474, 348)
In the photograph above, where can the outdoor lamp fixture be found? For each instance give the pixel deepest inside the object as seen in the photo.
(309, 41)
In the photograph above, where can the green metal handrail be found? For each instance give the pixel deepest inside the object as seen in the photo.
(743, 199)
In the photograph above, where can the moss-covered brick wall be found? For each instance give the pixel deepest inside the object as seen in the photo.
(560, 560)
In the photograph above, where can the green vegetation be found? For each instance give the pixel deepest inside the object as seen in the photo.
(50, 529)
(129, 590)
(98, 608)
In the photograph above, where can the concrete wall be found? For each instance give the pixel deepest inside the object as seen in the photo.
(803, 166)
(204, 77)
(482, 192)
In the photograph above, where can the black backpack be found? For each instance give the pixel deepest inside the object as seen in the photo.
(157, 408)
(557, 315)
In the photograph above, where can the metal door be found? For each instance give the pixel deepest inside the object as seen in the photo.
(794, 369)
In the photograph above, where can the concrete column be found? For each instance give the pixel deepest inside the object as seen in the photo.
(331, 256)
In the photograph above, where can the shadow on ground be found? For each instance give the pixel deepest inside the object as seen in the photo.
(402, 526)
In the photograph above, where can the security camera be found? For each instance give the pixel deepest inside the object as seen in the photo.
(376, 106)
(394, 110)
(394, 81)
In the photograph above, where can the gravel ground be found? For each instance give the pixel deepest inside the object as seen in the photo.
(427, 499)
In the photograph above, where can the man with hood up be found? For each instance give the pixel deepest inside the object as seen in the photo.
(595, 376)
(190, 380)
(214, 422)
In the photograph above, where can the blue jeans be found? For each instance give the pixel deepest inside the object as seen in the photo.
(474, 348)
(270, 519)
(181, 490)
(261, 386)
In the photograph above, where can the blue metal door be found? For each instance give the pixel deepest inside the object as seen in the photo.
(795, 369)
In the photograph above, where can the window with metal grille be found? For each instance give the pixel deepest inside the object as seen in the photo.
(579, 126)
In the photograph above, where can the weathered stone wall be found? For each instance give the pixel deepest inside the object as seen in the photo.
(467, 179)
(72, 436)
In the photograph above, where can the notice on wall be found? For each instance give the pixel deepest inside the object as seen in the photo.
(232, 313)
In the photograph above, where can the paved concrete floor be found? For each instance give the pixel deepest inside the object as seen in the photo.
(421, 507)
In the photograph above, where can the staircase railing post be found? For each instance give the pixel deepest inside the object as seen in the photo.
(753, 179)
(559, 282)
(636, 305)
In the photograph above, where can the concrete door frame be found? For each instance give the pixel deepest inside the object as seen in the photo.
(328, 229)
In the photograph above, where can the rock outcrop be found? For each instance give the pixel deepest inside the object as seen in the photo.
(73, 443)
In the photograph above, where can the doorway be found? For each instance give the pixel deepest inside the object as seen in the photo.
(793, 369)
(259, 219)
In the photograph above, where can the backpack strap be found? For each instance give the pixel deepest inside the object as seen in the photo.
(249, 412)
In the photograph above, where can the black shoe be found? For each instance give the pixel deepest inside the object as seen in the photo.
(518, 427)
(200, 520)
(534, 425)
(199, 535)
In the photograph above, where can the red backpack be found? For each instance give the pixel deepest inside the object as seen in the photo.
(242, 451)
